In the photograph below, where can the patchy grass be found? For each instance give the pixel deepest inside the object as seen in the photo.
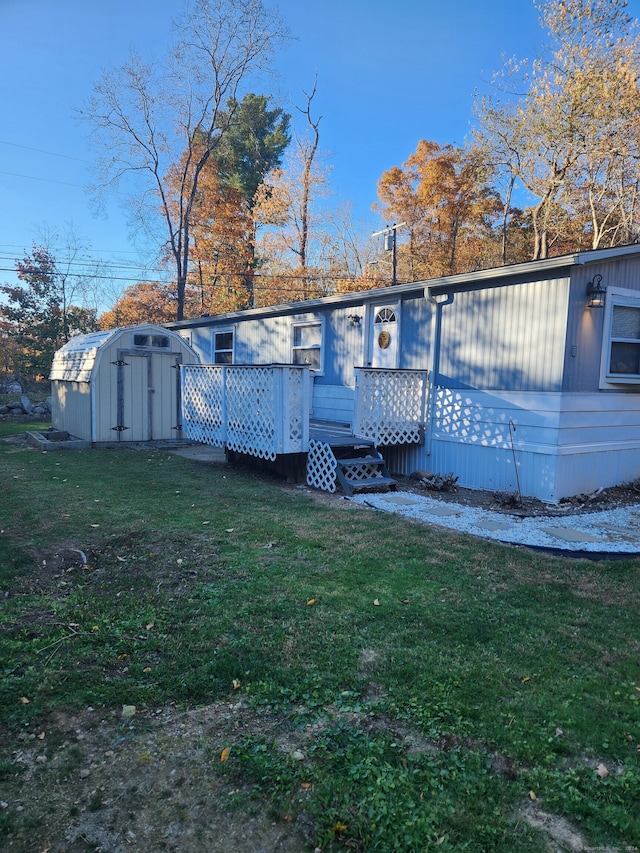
(423, 690)
(12, 428)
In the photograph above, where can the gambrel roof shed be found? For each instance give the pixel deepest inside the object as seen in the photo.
(120, 385)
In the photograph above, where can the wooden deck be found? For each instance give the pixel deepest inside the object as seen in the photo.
(336, 434)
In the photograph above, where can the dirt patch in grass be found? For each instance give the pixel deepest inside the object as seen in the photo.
(560, 834)
(95, 780)
(159, 780)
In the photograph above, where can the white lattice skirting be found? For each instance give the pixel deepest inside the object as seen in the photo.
(321, 466)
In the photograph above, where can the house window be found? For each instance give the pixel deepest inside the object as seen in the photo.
(621, 344)
(223, 347)
(307, 345)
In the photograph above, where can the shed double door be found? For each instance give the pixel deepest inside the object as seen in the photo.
(148, 396)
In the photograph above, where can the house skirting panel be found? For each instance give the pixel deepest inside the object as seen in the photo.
(545, 445)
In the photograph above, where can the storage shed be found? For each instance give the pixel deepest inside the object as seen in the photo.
(122, 385)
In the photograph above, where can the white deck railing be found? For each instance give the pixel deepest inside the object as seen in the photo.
(261, 410)
(391, 405)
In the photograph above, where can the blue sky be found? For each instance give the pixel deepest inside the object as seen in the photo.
(388, 75)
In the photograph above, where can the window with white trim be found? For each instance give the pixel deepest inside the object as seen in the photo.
(154, 341)
(621, 338)
(223, 347)
(307, 345)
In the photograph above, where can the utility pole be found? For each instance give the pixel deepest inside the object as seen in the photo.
(390, 245)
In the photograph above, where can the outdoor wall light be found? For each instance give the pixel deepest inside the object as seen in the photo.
(354, 319)
(596, 292)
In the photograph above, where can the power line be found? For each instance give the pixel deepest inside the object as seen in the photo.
(255, 286)
(110, 265)
(21, 246)
(42, 151)
(45, 180)
(93, 263)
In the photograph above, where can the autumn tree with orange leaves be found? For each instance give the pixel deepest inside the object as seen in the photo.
(223, 224)
(145, 302)
(443, 196)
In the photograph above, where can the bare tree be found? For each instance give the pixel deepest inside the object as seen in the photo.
(145, 116)
(567, 130)
(285, 208)
(308, 150)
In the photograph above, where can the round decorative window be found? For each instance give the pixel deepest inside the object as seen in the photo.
(384, 339)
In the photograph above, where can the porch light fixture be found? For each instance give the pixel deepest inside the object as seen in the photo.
(354, 319)
(596, 292)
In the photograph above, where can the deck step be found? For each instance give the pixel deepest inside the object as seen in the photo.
(368, 471)
(373, 483)
(360, 460)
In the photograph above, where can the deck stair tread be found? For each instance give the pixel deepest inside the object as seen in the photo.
(359, 460)
(365, 471)
(372, 482)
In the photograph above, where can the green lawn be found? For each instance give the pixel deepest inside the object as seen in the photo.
(440, 684)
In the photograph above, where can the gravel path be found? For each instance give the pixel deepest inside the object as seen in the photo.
(602, 532)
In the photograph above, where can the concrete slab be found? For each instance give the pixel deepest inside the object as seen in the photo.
(567, 534)
(201, 453)
(401, 500)
(442, 511)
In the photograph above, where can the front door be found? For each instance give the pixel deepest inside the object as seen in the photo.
(384, 341)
